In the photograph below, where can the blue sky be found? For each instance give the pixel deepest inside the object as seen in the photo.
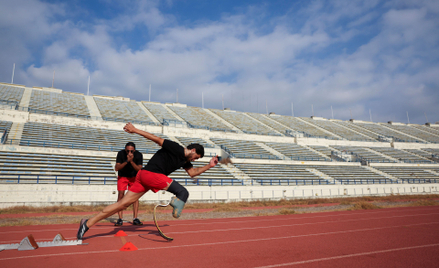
(378, 58)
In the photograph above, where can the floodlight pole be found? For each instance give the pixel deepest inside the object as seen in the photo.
(223, 100)
(53, 80)
(332, 111)
(13, 72)
(177, 95)
(312, 109)
(202, 100)
(292, 109)
(426, 117)
(408, 119)
(370, 114)
(266, 106)
(149, 92)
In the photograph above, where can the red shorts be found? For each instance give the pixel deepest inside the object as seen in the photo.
(124, 183)
(147, 180)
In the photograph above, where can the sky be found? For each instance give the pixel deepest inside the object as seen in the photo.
(366, 60)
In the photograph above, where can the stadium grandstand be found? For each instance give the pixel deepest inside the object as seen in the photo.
(60, 147)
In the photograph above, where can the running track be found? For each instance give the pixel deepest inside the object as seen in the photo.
(397, 237)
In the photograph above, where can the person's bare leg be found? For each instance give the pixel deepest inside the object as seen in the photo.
(120, 195)
(135, 209)
(126, 201)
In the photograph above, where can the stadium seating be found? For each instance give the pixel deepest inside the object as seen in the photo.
(159, 112)
(266, 153)
(122, 111)
(199, 118)
(16, 167)
(64, 104)
(245, 123)
(243, 149)
(83, 138)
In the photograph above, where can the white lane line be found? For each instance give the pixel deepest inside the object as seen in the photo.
(225, 242)
(348, 256)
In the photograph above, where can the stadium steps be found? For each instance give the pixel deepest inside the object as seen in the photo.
(406, 134)
(150, 115)
(315, 151)
(382, 155)
(238, 174)
(320, 128)
(16, 132)
(271, 150)
(262, 123)
(174, 113)
(25, 99)
(353, 130)
(225, 122)
(379, 172)
(324, 176)
(93, 108)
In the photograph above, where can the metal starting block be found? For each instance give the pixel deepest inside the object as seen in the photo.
(29, 243)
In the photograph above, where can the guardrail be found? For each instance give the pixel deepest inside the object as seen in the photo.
(291, 182)
(4, 136)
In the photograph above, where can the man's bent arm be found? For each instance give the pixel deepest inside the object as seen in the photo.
(131, 129)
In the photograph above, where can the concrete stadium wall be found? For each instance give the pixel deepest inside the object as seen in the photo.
(57, 194)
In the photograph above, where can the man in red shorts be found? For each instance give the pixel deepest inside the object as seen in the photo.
(154, 176)
(128, 163)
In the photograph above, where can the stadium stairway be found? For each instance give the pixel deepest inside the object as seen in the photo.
(323, 176)
(93, 108)
(379, 172)
(271, 150)
(16, 132)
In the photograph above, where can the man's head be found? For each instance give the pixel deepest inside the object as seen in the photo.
(197, 151)
(130, 147)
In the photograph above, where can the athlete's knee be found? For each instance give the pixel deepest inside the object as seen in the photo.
(179, 191)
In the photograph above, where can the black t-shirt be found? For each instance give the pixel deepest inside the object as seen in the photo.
(169, 158)
(128, 170)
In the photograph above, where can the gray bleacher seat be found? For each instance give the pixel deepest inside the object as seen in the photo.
(159, 112)
(11, 93)
(401, 155)
(244, 123)
(122, 111)
(63, 104)
(198, 118)
(18, 167)
(296, 151)
(419, 133)
(333, 127)
(308, 129)
(243, 149)
(84, 138)
(380, 129)
(410, 174)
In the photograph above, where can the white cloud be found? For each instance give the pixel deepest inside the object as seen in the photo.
(305, 63)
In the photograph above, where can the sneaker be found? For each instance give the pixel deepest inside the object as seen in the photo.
(136, 221)
(82, 229)
(119, 222)
(178, 206)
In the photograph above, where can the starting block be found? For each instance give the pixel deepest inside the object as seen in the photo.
(29, 243)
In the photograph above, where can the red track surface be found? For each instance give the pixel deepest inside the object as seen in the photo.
(398, 237)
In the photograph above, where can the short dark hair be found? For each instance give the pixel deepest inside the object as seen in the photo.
(198, 148)
(130, 144)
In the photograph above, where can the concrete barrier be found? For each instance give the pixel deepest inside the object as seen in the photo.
(51, 195)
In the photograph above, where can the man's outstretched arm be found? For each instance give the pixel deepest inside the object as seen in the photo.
(132, 129)
(197, 171)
